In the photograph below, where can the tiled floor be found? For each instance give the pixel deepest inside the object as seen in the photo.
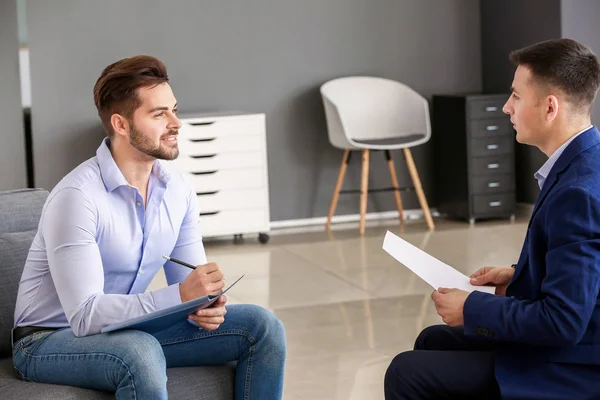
(347, 306)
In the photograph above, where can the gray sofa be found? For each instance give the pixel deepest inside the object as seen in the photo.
(19, 215)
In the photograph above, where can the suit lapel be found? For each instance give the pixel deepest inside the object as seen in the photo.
(581, 143)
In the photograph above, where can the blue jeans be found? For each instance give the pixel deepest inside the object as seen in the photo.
(133, 364)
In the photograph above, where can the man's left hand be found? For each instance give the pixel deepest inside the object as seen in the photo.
(212, 317)
(449, 304)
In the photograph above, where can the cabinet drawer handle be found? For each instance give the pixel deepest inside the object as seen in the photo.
(201, 140)
(491, 128)
(201, 123)
(495, 203)
(491, 109)
(493, 166)
(202, 214)
(492, 147)
(204, 173)
(206, 193)
(206, 156)
(493, 184)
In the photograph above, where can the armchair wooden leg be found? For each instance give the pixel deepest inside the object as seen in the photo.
(364, 188)
(338, 188)
(394, 177)
(419, 189)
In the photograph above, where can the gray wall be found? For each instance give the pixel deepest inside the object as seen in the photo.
(13, 173)
(580, 22)
(508, 25)
(259, 56)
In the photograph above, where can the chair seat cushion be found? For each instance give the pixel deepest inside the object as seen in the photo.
(391, 142)
(215, 383)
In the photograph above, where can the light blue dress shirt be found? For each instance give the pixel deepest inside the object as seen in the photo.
(544, 171)
(98, 247)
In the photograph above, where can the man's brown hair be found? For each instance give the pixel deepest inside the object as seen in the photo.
(564, 64)
(116, 90)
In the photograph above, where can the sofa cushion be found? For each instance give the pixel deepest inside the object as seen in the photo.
(20, 210)
(13, 253)
(214, 383)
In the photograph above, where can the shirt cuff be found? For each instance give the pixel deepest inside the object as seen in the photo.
(166, 297)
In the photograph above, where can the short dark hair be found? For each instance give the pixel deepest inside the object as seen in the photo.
(564, 64)
(116, 90)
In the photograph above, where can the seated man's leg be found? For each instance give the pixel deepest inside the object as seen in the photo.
(444, 364)
(434, 374)
(128, 363)
(250, 335)
(444, 337)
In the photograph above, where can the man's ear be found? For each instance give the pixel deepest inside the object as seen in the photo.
(551, 107)
(119, 124)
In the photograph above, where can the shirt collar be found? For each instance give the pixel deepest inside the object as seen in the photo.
(112, 175)
(544, 171)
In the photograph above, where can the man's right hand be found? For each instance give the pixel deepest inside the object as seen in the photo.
(494, 276)
(205, 279)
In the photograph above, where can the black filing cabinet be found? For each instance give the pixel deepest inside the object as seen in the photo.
(474, 144)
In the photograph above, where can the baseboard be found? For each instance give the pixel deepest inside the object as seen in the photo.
(343, 221)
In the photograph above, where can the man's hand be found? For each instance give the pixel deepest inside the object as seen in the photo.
(449, 304)
(494, 276)
(211, 318)
(205, 279)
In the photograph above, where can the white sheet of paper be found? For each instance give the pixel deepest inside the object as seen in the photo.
(430, 269)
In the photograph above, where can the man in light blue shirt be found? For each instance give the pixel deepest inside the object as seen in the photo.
(101, 237)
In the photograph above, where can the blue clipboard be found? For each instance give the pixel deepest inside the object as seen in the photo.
(160, 320)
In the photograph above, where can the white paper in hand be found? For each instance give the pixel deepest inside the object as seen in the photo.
(430, 269)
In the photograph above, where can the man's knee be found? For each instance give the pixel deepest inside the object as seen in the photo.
(397, 382)
(269, 329)
(433, 338)
(142, 357)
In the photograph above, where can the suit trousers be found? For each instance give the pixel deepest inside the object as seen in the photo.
(443, 365)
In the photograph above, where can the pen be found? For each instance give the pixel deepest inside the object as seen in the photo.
(180, 262)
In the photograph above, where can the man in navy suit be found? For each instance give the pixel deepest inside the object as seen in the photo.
(538, 337)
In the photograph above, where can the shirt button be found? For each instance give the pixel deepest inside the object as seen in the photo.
(140, 272)
(139, 203)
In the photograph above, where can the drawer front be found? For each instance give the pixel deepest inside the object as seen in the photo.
(210, 129)
(494, 127)
(232, 222)
(486, 108)
(226, 144)
(218, 162)
(491, 146)
(495, 203)
(229, 179)
(221, 200)
(492, 165)
(493, 184)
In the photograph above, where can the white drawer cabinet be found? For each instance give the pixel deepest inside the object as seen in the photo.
(225, 156)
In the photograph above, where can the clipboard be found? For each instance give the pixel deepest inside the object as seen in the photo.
(162, 319)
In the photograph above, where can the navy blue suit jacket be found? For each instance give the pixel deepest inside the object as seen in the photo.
(546, 330)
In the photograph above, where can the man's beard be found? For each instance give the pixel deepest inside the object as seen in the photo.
(143, 144)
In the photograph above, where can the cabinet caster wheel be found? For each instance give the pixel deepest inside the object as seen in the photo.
(263, 238)
(237, 239)
(472, 221)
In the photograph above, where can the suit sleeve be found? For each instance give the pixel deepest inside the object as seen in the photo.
(569, 291)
